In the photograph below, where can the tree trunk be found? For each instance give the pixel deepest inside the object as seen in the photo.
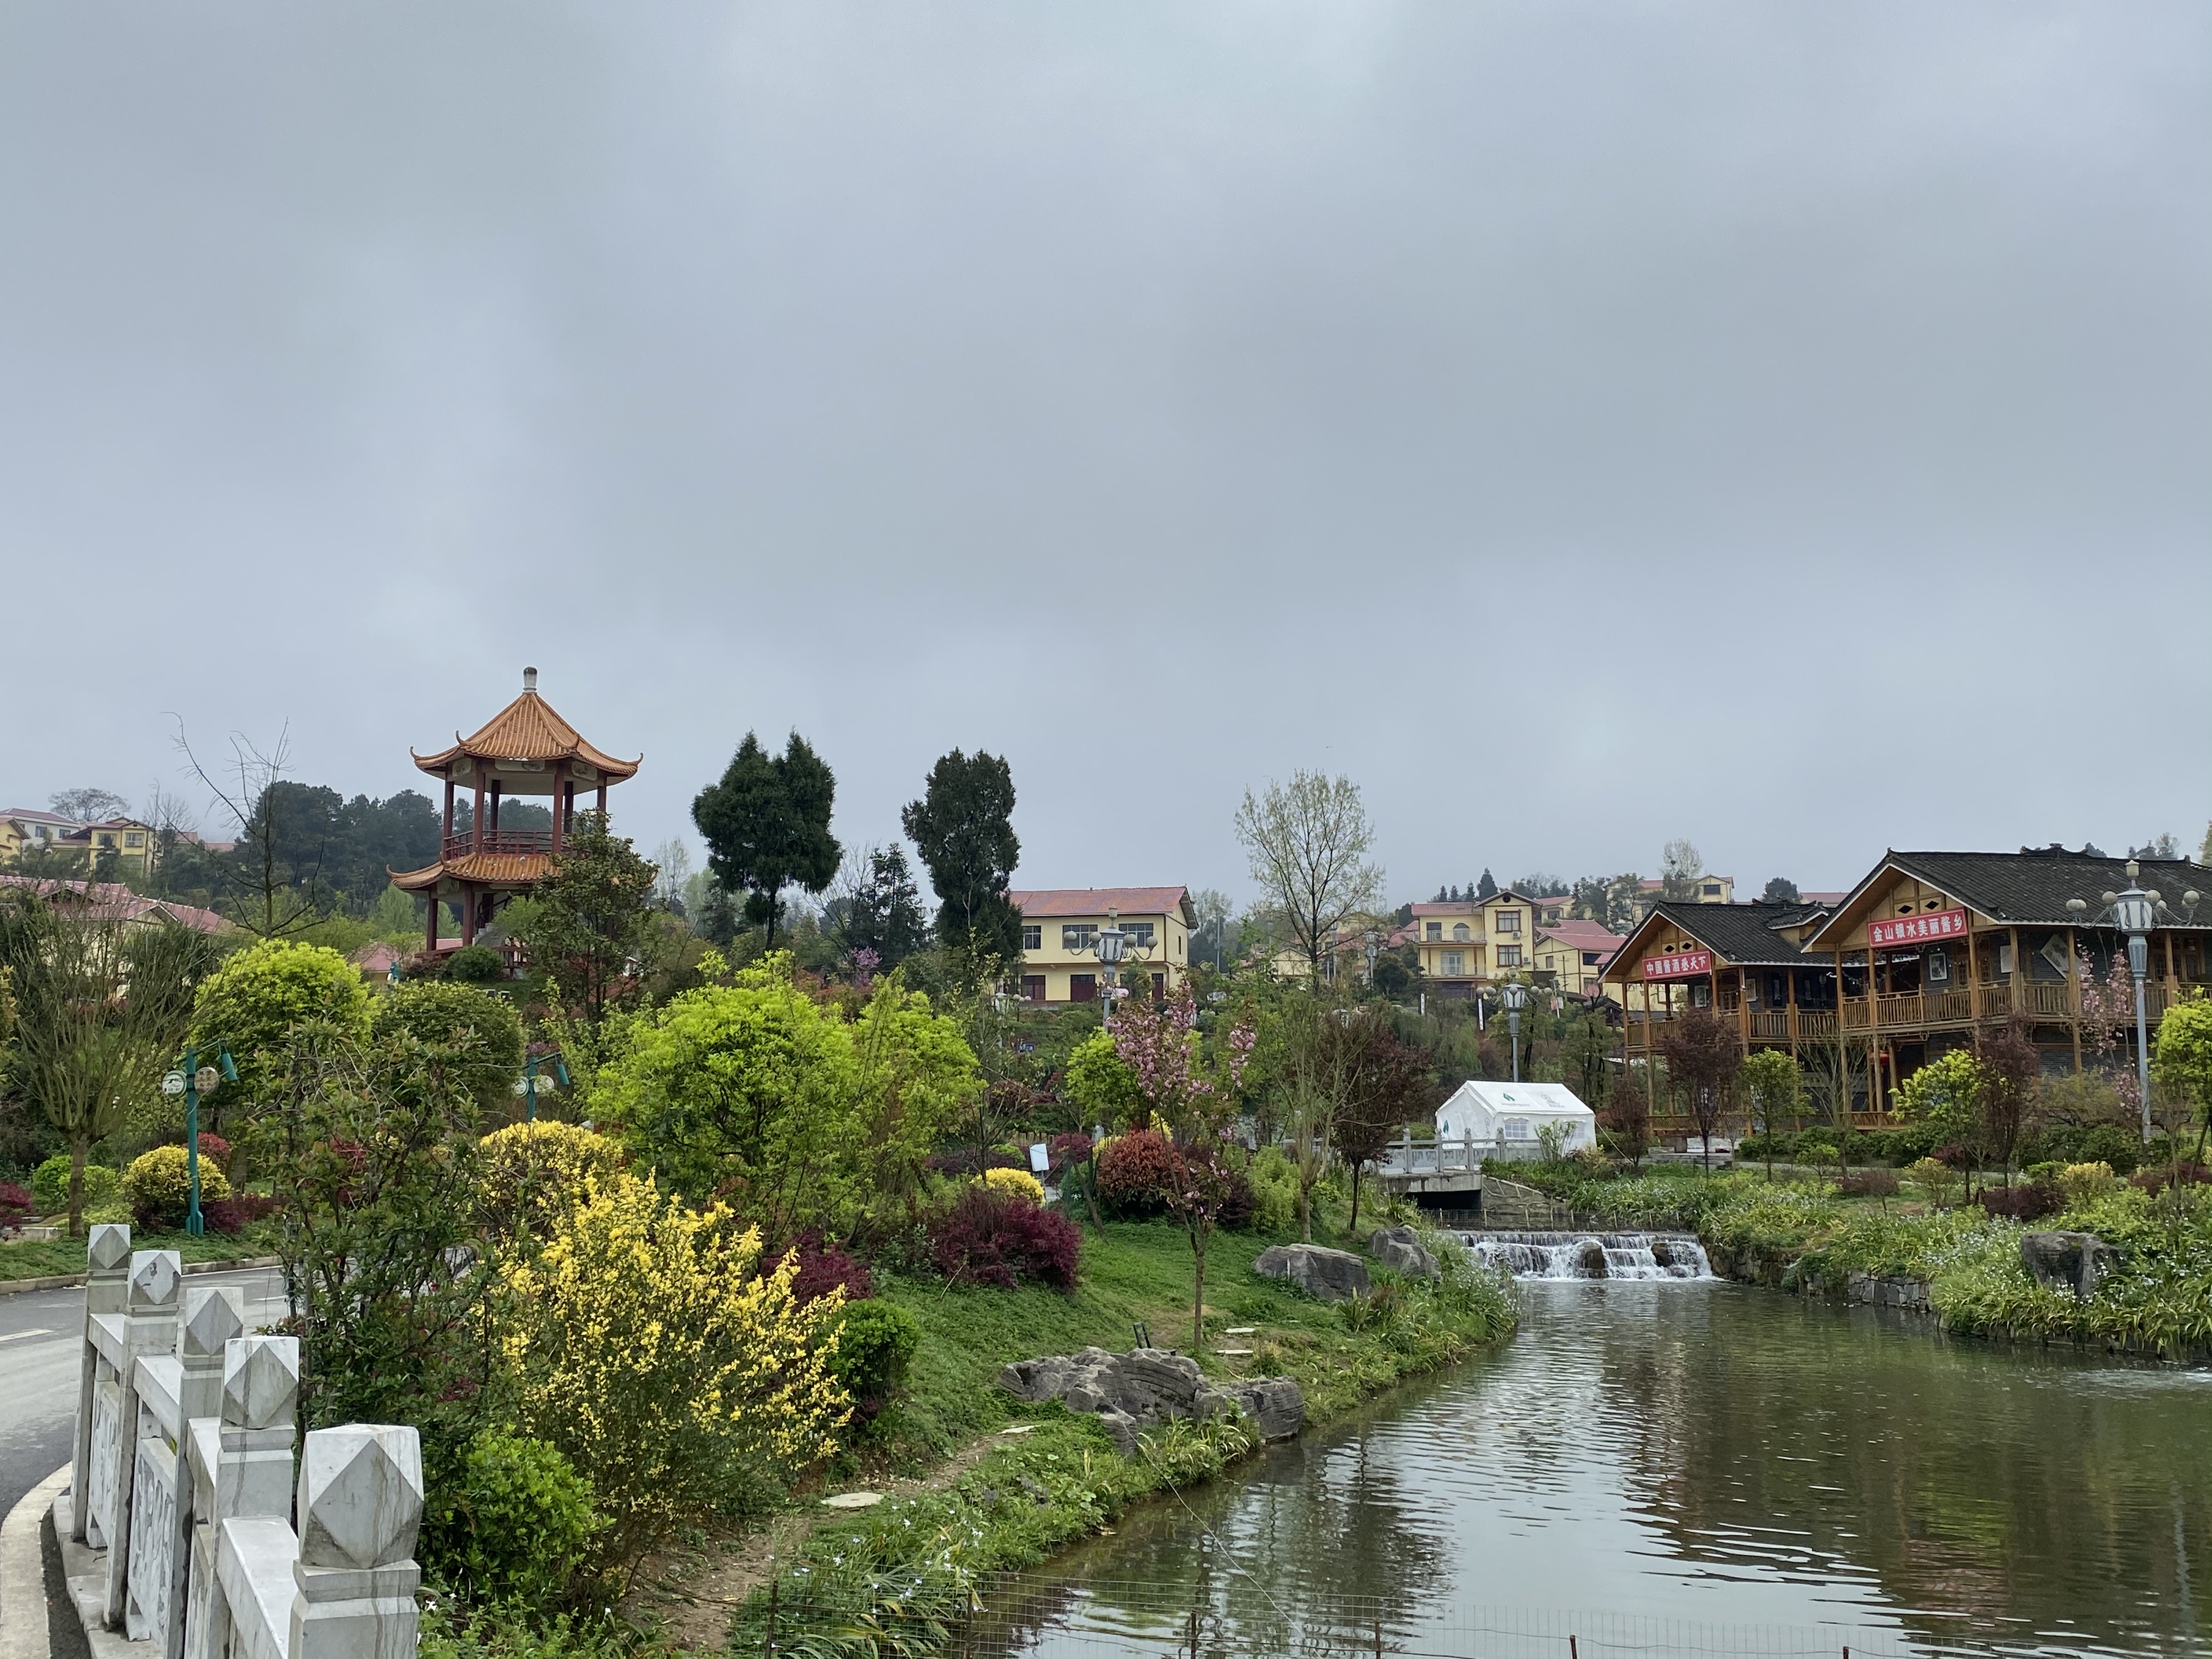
(1305, 1211)
(78, 1150)
(1197, 1306)
(1091, 1191)
(1357, 1167)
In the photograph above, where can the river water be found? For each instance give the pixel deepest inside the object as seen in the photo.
(1680, 1466)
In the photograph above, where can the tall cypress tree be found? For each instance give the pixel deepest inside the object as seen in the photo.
(962, 827)
(766, 826)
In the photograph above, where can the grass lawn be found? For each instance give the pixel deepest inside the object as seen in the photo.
(54, 1257)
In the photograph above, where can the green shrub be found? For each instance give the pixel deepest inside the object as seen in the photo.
(1274, 1192)
(158, 1186)
(475, 964)
(876, 1343)
(512, 1524)
(50, 1186)
(478, 1033)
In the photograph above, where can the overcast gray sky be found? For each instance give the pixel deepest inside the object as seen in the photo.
(1786, 426)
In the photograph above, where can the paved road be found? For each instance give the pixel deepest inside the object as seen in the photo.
(39, 1337)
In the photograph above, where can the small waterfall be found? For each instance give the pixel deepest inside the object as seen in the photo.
(1592, 1256)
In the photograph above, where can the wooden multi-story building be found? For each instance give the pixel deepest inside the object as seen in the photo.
(1929, 948)
(526, 749)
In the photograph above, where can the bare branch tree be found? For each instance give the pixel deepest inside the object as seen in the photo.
(1308, 842)
(271, 896)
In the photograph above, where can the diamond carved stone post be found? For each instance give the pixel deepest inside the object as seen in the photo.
(213, 1314)
(259, 1393)
(107, 1263)
(149, 1326)
(359, 1507)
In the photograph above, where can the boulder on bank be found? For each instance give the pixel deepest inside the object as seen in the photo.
(1400, 1249)
(1141, 1389)
(1332, 1275)
(2067, 1261)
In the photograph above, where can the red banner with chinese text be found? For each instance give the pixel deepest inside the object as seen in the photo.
(1682, 964)
(1913, 930)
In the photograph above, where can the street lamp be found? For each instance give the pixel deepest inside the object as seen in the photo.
(1515, 995)
(526, 1087)
(1372, 941)
(191, 1080)
(1108, 945)
(2135, 913)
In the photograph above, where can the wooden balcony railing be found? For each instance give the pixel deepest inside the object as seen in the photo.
(500, 841)
(1771, 1024)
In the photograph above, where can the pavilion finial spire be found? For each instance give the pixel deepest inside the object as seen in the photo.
(530, 679)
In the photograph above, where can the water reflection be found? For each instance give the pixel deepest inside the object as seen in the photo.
(1707, 1453)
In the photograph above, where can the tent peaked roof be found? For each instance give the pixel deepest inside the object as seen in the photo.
(529, 729)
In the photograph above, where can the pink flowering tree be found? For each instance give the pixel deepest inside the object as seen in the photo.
(1161, 1046)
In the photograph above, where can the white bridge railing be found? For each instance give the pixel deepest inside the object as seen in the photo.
(184, 1475)
(1407, 1156)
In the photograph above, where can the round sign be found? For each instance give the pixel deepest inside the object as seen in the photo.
(173, 1083)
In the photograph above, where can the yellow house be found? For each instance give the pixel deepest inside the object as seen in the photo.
(1059, 938)
(1573, 956)
(129, 842)
(1469, 944)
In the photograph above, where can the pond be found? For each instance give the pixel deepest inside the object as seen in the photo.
(1685, 1468)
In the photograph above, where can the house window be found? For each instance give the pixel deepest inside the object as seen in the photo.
(1033, 986)
(1436, 930)
(134, 840)
(1033, 936)
(1139, 932)
(1454, 964)
(1515, 1128)
(1509, 956)
(1509, 921)
(1459, 930)
(1701, 994)
(1083, 987)
(1939, 967)
(1078, 936)
(1589, 958)
(1713, 890)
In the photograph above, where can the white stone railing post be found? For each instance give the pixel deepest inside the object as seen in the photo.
(241, 1470)
(107, 1263)
(149, 1326)
(361, 1505)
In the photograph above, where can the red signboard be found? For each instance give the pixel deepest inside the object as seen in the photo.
(1682, 964)
(1913, 930)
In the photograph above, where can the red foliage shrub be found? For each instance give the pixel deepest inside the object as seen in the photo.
(2030, 1201)
(1953, 1156)
(1868, 1184)
(2159, 1177)
(1236, 1211)
(984, 1237)
(218, 1149)
(231, 1215)
(14, 1205)
(825, 1268)
(1136, 1174)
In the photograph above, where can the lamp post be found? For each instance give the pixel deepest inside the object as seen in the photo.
(1515, 998)
(1372, 942)
(2134, 912)
(192, 1079)
(526, 1084)
(1109, 945)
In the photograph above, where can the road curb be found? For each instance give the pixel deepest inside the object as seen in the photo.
(71, 1281)
(23, 1571)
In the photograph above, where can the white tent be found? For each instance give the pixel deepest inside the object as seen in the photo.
(1510, 1112)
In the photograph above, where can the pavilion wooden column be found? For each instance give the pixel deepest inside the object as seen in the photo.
(468, 915)
(559, 780)
(603, 800)
(476, 826)
(494, 808)
(446, 834)
(430, 927)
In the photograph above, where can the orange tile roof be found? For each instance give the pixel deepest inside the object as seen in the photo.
(1097, 901)
(529, 729)
(487, 869)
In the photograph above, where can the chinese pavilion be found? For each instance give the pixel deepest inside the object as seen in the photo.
(526, 749)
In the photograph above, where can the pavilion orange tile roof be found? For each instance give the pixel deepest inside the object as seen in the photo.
(529, 729)
(493, 869)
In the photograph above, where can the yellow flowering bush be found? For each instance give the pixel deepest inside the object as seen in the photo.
(2084, 1182)
(1015, 1183)
(674, 1375)
(533, 1172)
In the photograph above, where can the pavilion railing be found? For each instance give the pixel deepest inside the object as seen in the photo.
(500, 841)
(184, 1477)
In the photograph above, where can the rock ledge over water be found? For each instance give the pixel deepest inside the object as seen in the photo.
(1332, 1275)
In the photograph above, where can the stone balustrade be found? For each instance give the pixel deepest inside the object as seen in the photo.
(213, 1544)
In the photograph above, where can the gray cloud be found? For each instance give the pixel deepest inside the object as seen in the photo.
(1581, 423)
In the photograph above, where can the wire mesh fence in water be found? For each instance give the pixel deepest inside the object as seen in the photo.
(1023, 1616)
